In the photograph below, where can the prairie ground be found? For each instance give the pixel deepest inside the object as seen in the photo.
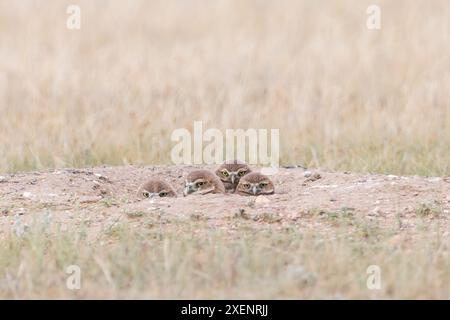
(368, 107)
(315, 238)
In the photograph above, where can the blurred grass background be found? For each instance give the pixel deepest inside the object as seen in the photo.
(344, 97)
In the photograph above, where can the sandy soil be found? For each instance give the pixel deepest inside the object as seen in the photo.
(102, 194)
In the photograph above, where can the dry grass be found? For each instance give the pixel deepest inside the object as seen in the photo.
(182, 259)
(346, 98)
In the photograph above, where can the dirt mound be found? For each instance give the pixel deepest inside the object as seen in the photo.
(307, 199)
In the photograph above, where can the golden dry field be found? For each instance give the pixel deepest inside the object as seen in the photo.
(86, 116)
(344, 97)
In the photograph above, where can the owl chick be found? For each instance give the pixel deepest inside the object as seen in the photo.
(230, 172)
(255, 184)
(203, 182)
(156, 188)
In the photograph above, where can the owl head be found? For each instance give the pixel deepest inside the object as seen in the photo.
(255, 184)
(202, 182)
(156, 188)
(230, 172)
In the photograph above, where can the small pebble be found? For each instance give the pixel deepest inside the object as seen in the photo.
(27, 195)
(261, 200)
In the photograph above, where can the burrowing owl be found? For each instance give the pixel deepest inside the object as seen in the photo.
(203, 182)
(230, 172)
(255, 184)
(156, 188)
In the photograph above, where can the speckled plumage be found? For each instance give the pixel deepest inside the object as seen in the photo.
(254, 184)
(156, 188)
(230, 172)
(203, 182)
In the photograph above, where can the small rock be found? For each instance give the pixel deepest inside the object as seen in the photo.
(2, 179)
(261, 200)
(27, 195)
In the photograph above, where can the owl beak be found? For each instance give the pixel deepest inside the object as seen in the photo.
(188, 189)
(149, 195)
(254, 189)
(233, 178)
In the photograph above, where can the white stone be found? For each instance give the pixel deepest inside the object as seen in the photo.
(27, 195)
(261, 200)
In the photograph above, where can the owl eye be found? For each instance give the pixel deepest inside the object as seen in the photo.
(201, 183)
(146, 194)
(263, 184)
(225, 173)
(242, 173)
(163, 194)
(246, 185)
